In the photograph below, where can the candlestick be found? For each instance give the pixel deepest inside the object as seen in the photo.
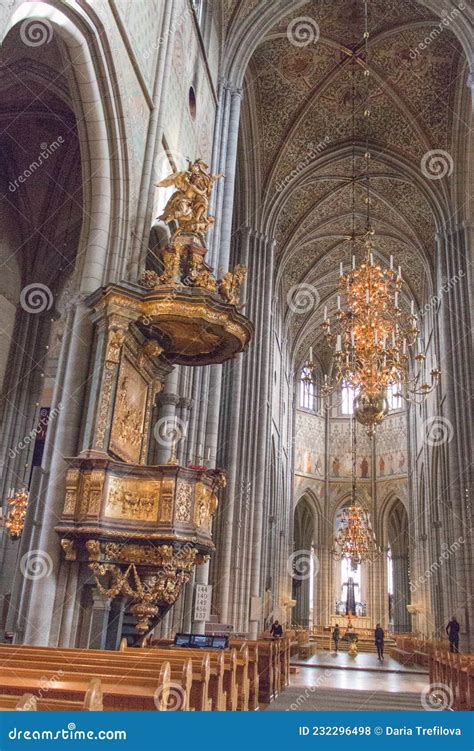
(353, 262)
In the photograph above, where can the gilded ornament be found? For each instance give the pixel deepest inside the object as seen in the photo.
(114, 345)
(149, 279)
(134, 499)
(93, 549)
(188, 206)
(69, 548)
(229, 285)
(184, 496)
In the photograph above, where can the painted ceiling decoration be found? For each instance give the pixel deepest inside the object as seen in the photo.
(298, 100)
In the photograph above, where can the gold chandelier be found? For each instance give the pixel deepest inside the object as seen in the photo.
(17, 505)
(373, 333)
(354, 540)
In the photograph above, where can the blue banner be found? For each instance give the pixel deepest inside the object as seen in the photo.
(222, 731)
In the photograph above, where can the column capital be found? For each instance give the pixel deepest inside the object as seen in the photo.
(167, 398)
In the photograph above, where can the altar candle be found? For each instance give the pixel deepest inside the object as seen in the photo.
(396, 299)
(341, 269)
(413, 307)
(338, 343)
(325, 313)
(367, 296)
(391, 263)
(353, 262)
(338, 302)
(400, 273)
(311, 354)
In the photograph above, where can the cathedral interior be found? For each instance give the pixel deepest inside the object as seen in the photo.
(236, 334)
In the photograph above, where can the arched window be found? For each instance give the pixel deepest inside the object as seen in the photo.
(348, 395)
(394, 401)
(307, 390)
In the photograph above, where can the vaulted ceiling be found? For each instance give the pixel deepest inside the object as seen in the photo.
(301, 139)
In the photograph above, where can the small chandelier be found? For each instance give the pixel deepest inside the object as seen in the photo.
(17, 505)
(354, 540)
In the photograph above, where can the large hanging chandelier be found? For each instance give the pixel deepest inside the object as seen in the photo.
(374, 331)
(354, 540)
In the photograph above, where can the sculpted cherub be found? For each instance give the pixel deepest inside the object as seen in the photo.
(189, 204)
(229, 285)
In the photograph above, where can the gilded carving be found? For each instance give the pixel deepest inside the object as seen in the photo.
(188, 205)
(167, 498)
(134, 499)
(114, 345)
(69, 548)
(72, 482)
(129, 413)
(93, 549)
(229, 285)
(104, 404)
(184, 495)
(205, 505)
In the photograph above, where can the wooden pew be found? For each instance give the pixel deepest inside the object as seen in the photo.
(127, 683)
(92, 702)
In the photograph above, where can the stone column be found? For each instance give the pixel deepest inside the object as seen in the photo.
(455, 344)
(99, 621)
(44, 610)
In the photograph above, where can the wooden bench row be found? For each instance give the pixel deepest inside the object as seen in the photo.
(93, 701)
(457, 672)
(131, 681)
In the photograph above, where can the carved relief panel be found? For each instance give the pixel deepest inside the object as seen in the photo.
(128, 418)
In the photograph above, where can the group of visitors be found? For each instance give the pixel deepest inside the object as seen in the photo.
(379, 636)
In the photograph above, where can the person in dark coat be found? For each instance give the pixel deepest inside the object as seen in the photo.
(276, 630)
(379, 639)
(336, 635)
(452, 630)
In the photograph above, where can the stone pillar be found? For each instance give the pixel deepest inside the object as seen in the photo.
(99, 621)
(44, 611)
(401, 597)
(455, 344)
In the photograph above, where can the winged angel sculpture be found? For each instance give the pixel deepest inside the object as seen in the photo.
(189, 204)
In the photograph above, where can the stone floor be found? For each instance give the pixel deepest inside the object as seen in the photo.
(338, 682)
(363, 661)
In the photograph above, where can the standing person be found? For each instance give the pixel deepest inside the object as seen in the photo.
(276, 630)
(379, 639)
(336, 635)
(452, 630)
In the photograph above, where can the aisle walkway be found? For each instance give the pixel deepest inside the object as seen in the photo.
(338, 682)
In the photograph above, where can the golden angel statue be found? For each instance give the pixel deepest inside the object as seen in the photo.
(189, 204)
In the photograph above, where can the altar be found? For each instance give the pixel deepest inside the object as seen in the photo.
(358, 622)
